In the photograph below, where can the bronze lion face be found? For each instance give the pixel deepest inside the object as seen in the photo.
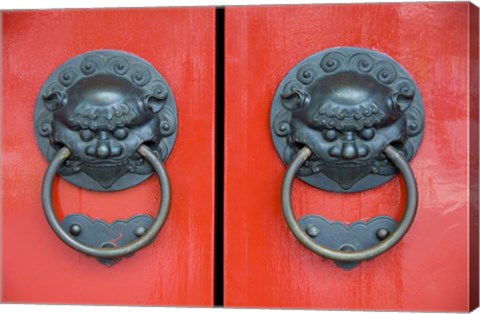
(347, 106)
(103, 106)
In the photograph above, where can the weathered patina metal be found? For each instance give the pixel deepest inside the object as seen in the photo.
(105, 120)
(344, 120)
(346, 252)
(104, 247)
(103, 105)
(347, 105)
(357, 236)
(100, 234)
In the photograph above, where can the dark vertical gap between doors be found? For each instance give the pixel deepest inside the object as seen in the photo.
(219, 153)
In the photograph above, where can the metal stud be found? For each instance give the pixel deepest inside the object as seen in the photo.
(75, 229)
(140, 231)
(382, 233)
(312, 230)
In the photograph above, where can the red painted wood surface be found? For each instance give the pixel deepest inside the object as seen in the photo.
(265, 266)
(177, 269)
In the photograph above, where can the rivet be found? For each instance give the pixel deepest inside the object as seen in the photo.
(312, 230)
(382, 233)
(75, 229)
(140, 231)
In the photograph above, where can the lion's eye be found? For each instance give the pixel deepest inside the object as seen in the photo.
(120, 133)
(86, 135)
(330, 135)
(367, 134)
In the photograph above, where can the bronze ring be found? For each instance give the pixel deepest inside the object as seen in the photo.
(115, 252)
(351, 256)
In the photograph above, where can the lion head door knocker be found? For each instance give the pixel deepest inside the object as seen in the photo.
(106, 120)
(344, 120)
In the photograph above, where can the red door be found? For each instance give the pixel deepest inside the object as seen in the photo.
(265, 266)
(434, 267)
(177, 268)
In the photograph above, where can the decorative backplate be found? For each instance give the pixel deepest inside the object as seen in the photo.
(354, 237)
(100, 234)
(103, 105)
(347, 104)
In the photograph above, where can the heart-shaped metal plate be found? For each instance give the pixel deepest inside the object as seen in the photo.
(98, 233)
(354, 237)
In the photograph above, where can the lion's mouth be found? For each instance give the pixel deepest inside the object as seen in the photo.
(103, 164)
(342, 163)
(355, 163)
(110, 162)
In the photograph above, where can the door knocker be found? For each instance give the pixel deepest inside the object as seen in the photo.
(345, 120)
(106, 120)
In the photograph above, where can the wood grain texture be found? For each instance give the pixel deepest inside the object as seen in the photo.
(177, 269)
(265, 266)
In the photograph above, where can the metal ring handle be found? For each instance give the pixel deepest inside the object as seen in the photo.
(136, 245)
(411, 208)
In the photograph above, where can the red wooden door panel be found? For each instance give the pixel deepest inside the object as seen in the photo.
(177, 269)
(265, 266)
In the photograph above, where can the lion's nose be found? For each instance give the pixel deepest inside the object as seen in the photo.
(349, 151)
(103, 150)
